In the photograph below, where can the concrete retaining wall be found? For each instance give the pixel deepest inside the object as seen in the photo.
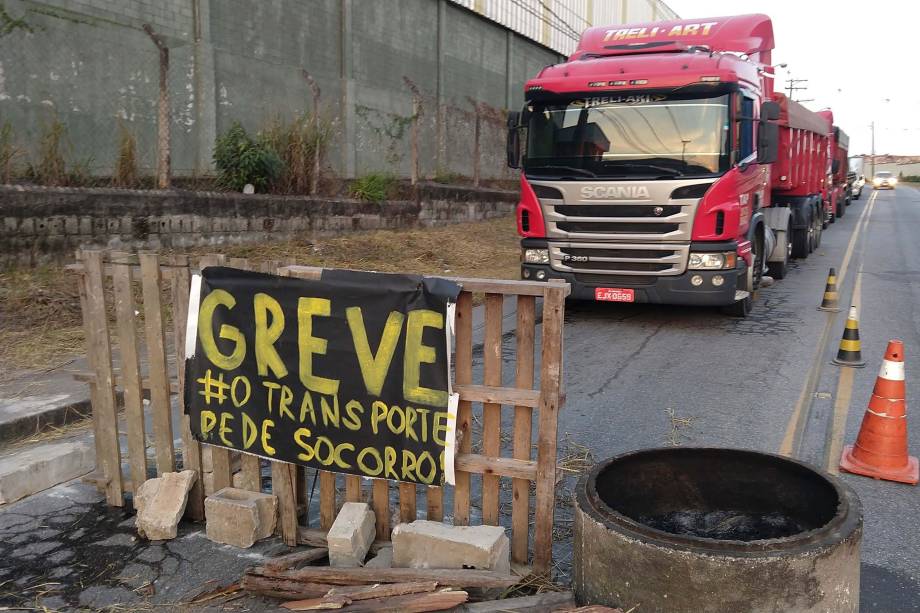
(89, 63)
(48, 224)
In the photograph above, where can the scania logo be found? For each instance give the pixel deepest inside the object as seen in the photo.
(658, 210)
(615, 192)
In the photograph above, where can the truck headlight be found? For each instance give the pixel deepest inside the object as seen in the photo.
(536, 256)
(712, 261)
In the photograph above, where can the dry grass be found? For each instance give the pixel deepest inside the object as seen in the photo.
(676, 428)
(40, 316)
(482, 249)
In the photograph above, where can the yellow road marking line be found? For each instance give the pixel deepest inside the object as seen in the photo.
(796, 420)
(842, 398)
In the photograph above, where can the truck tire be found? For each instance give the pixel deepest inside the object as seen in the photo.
(802, 239)
(778, 270)
(743, 308)
(819, 230)
(842, 207)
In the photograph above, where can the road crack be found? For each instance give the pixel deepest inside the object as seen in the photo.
(627, 361)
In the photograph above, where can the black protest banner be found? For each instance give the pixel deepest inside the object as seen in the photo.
(348, 373)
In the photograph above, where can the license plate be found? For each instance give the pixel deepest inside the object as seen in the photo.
(614, 294)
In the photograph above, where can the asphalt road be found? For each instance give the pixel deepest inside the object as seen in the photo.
(640, 376)
(636, 376)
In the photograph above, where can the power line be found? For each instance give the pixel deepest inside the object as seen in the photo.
(793, 86)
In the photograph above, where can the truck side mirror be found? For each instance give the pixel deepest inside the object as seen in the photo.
(767, 142)
(769, 111)
(514, 139)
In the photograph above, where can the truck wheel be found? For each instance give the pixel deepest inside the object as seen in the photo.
(802, 238)
(778, 270)
(742, 308)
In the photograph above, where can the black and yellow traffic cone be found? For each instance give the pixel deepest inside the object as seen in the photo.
(829, 303)
(850, 353)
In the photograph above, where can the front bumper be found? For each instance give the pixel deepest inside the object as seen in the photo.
(674, 289)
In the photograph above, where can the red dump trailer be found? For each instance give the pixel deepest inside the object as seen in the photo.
(659, 166)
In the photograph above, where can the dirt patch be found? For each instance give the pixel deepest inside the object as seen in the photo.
(40, 318)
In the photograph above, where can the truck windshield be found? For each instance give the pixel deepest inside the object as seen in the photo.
(628, 136)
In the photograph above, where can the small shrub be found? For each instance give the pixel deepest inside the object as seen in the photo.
(911, 178)
(241, 160)
(125, 173)
(52, 167)
(374, 187)
(9, 152)
(297, 144)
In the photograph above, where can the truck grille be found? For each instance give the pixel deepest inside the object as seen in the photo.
(643, 222)
(600, 258)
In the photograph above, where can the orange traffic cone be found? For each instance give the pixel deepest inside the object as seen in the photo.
(881, 446)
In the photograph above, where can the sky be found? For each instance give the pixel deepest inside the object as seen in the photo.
(861, 59)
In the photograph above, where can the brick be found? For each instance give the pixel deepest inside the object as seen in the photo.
(430, 544)
(239, 517)
(351, 535)
(160, 504)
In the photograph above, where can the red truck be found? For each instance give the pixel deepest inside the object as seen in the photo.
(659, 166)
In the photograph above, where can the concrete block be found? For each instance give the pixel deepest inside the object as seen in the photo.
(39, 467)
(160, 504)
(383, 559)
(351, 535)
(430, 544)
(239, 517)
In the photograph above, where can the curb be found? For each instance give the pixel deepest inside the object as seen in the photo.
(61, 414)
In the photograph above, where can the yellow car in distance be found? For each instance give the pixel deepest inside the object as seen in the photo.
(884, 180)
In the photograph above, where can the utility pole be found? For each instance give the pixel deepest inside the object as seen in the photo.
(872, 127)
(792, 85)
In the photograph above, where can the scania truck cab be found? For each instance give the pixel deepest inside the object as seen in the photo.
(645, 164)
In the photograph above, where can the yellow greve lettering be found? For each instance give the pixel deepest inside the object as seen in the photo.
(417, 354)
(250, 431)
(367, 470)
(224, 428)
(389, 464)
(439, 429)
(408, 464)
(266, 335)
(351, 420)
(284, 403)
(210, 303)
(374, 367)
(310, 345)
(299, 435)
(208, 421)
(266, 436)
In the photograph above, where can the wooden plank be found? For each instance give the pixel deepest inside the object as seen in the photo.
(382, 508)
(453, 577)
(326, 499)
(434, 503)
(507, 288)
(191, 448)
(409, 603)
(99, 353)
(491, 412)
(523, 427)
(156, 364)
(544, 603)
(496, 466)
(220, 457)
(464, 376)
(296, 558)
(501, 395)
(88, 377)
(131, 373)
(283, 481)
(550, 384)
(407, 502)
(353, 489)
